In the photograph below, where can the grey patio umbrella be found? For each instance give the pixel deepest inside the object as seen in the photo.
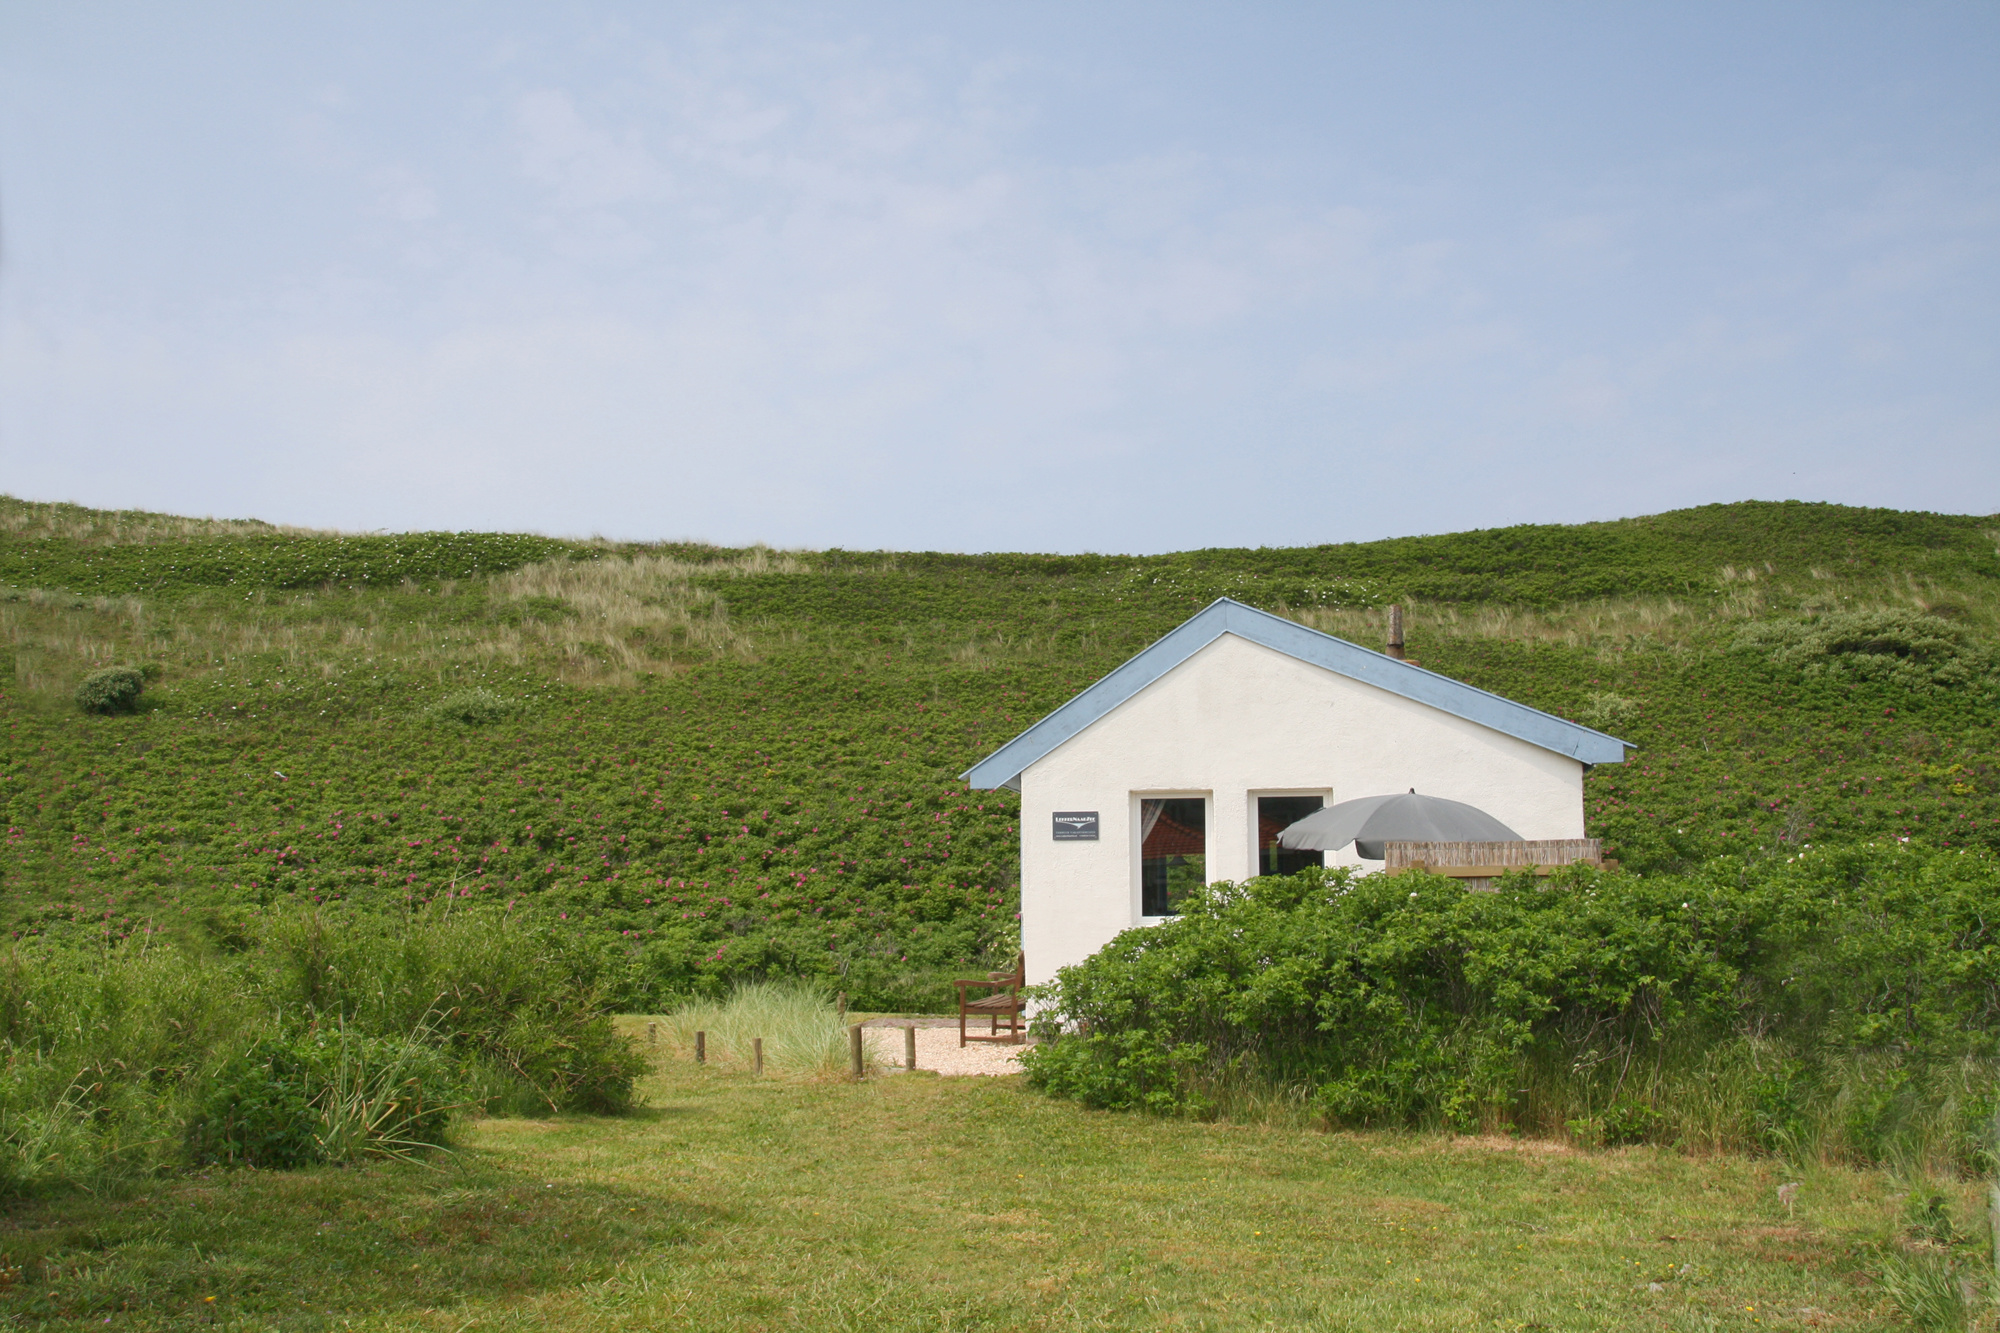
(1371, 821)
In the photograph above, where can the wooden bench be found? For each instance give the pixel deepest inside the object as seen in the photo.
(1006, 1001)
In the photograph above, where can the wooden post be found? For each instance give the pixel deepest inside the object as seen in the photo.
(1993, 1221)
(701, 1048)
(652, 1034)
(910, 1046)
(1396, 633)
(758, 1047)
(840, 1005)
(854, 1048)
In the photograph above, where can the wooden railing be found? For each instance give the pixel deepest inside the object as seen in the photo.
(1480, 863)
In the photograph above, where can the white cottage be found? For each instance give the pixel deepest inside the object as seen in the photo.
(1183, 764)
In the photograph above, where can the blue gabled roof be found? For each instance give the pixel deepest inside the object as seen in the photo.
(1223, 616)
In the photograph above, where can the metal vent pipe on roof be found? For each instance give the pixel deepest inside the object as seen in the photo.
(1396, 633)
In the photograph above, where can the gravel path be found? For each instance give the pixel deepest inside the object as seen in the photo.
(938, 1049)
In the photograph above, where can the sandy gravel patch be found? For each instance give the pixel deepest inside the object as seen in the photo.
(939, 1052)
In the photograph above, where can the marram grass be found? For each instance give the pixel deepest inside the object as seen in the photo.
(796, 1020)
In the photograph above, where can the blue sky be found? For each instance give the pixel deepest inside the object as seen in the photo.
(1028, 276)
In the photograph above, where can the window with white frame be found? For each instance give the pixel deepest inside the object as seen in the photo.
(1275, 814)
(1173, 851)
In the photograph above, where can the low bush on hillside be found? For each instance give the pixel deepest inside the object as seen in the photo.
(113, 690)
(1608, 712)
(1905, 648)
(1841, 1004)
(472, 708)
(325, 1039)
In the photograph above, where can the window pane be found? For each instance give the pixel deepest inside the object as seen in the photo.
(1173, 852)
(1274, 815)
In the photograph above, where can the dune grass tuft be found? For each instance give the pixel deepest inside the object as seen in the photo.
(803, 1034)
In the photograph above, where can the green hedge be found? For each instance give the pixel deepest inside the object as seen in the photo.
(1594, 1003)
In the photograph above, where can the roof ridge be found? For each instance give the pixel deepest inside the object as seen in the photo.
(1225, 615)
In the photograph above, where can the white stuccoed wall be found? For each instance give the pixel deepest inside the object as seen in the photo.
(1236, 721)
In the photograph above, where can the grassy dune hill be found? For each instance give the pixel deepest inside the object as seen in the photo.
(664, 769)
(722, 763)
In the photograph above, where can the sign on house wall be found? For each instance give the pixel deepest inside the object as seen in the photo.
(1076, 826)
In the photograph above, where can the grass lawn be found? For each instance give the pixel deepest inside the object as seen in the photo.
(916, 1202)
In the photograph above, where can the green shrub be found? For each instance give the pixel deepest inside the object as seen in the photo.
(1615, 1007)
(323, 1097)
(259, 1111)
(1608, 712)
(105, 1055)
(1621, 1122)
(520, 1002)
(112, 690)
(320, 1039)
(1906, 648)
(472, 708)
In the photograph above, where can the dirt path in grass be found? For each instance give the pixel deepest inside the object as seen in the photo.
(938, 1049)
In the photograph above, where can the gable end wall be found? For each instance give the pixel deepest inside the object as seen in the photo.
(1234, 721)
